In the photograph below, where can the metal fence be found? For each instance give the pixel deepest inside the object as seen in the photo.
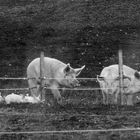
(63, 134)
(99, 134)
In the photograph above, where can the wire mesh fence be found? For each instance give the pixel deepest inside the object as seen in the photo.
(82, 116)
(21, 118)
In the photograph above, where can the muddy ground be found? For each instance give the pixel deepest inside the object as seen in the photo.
(78, 112)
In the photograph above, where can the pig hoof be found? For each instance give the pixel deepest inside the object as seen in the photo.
(59, 101)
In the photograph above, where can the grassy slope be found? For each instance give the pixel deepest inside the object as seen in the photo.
(78, 28)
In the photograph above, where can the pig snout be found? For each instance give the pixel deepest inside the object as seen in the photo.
(76, 83)
(109, 91)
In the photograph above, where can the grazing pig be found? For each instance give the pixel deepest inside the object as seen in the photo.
(14, 98)
(56, 73)
(109, 83)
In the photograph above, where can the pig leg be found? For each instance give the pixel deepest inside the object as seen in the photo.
(104, 99)
(33, 87)
(129, 99)
(56, 94)
(41, 91)
(116, 97)
(107, 98)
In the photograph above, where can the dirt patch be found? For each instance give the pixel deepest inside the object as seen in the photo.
(73, 115)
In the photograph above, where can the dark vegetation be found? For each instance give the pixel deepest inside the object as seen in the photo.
(80, 32)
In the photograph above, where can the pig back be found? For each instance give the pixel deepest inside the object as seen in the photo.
(51, 68)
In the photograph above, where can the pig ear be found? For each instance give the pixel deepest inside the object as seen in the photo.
(67, 68)
(124, 77)
(100, 78)
(78, 70)
(137, 75)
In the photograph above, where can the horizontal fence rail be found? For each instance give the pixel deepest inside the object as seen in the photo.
(14, 89)
(12, 78)
(74, 89)
(70, 131)
(24, 78)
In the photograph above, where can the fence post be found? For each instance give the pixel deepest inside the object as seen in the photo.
(41, 72)
(120, 54)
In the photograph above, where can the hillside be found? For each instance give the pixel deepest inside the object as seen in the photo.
(79, 32)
